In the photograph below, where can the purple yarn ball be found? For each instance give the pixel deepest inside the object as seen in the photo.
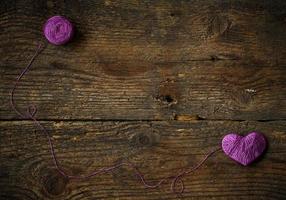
(58, 30)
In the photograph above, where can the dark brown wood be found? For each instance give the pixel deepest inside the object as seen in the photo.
(158, 148)
(149, 61)
(142, 31)
(209, 90)
(155, 82)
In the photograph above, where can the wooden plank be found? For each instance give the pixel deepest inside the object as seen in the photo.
(158, 148)
(149, 91)
(144, 60)
(150, 31)
(135, 60)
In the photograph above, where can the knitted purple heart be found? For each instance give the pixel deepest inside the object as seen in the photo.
(244, 149)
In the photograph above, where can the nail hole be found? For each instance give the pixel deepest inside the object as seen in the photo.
(214, 58)
(168, 98)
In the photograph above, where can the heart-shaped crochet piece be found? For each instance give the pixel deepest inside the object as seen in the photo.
(244, 149)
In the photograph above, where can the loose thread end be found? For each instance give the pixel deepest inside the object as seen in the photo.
(31, 112)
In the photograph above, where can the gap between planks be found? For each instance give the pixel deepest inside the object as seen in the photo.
(140, 120)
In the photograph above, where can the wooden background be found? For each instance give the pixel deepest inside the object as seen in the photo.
(158, 83)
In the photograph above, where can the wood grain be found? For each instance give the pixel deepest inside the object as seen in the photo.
(157, 83)
(158, 148)
(142, 61)
(209, 90)
(141, 31)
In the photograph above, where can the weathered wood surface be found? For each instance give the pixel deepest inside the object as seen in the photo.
(210, 90)
(161, 31)
(135, 84)
(132, 61)
(158, 148)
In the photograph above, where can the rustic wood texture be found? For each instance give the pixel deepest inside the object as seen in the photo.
(154, 82)
(158, 148)
(209, 90)
(117, 68)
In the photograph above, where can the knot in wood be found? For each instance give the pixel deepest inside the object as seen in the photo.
(54, 183)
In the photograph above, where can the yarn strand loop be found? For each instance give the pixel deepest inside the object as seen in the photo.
(31, 112)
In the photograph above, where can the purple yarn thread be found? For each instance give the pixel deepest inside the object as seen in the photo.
(58, 30)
